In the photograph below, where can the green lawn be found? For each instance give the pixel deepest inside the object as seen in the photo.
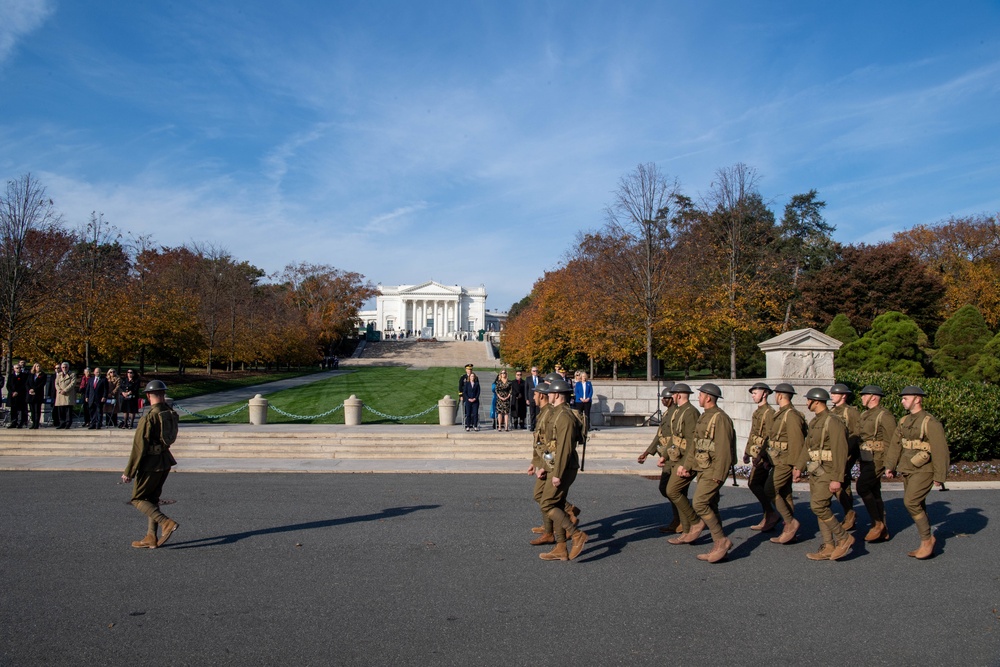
(199, 382)
(391, 390)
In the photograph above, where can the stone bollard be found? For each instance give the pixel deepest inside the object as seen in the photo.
(258, 410)
(447, 407)
(352, 411)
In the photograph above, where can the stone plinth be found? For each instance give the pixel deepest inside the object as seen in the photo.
(803, 354)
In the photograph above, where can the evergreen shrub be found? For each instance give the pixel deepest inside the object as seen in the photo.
(968, 410)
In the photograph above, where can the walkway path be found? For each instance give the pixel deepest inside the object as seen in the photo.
(218, 399)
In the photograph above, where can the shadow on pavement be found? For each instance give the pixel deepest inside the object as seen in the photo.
(309, 525)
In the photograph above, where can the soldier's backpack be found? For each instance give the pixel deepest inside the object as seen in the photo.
(168, 427)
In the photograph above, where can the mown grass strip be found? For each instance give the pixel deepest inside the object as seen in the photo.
(392, 390)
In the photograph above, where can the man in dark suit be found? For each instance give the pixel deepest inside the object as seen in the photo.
(36, 393)
(17, 396)
(97, 391)
(529, 396)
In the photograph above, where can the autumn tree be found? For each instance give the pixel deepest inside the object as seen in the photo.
(965, 253)
(29, 255)
(639, 219)
(329, 300)
(865, 281)
(736, 237)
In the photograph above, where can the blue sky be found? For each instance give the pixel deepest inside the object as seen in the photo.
(469, 142)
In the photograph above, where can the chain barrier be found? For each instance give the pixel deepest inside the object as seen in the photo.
(291, 416)
(395, 418)
(201, 416)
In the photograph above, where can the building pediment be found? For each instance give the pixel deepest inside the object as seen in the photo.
(430, 289)
(801, 339)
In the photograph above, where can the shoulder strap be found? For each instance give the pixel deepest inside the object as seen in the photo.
(822, 435)
(923, 427)
(711, 426)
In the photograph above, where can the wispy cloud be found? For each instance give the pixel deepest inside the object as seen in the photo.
(19, 18)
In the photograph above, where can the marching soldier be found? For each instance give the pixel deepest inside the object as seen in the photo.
(824, 457)
(710, 456)
(839, 394)
(661, 441)
(150, 463)
(560, 464)
(877, 426)
(784, 446)
(682, 423)
(918, 452)
(756, 451)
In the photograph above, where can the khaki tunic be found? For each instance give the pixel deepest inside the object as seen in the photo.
(760, 431)
(710, 453)
(826, 442)
(876, 428)
(915, 433)
(787, 436)
(662, 439)
(564, 431)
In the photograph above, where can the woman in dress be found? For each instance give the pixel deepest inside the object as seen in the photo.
(503, 393)
(130, 398)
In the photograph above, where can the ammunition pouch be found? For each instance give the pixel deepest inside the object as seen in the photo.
(155, 450)
(820, 455)
(921, 458)
(674, 454)
(756, 445)
(777, 448)
(704, 453)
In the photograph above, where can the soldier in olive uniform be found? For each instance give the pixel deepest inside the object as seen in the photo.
(877, 427)
(682, 423)
(918, 452)
(564, 431)
(545, 532)
(760, 481)
(661, 441)
(824, 457)
(710, 456)
(150, 463)
(784, 446)
(839, 395)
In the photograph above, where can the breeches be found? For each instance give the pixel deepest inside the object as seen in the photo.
(916, 486)
(554, 497)
(819, 499)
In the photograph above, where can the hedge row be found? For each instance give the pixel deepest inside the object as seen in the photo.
(970, 411)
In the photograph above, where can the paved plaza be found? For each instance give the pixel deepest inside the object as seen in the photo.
(415, 569)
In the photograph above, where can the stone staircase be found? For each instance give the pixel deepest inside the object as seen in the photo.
(284, 441)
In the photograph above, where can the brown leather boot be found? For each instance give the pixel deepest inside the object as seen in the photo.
(546, 538)
(877, 533)
(167, 529)
(842, 547)
(822, 554)
(849, 519)
(693, 534)
(771, 520)
(788, 534)
(671, 527)
(148, 542)
(579, 539)
(718, 551)
(925, 550)
(558, 553)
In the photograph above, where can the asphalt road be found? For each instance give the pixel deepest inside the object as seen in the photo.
(271, 569)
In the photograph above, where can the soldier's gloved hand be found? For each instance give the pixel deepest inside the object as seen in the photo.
(746, 459)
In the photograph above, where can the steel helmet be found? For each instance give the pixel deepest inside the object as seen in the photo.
(840, 388)
(818, 394)
(681, 388)
(872, 389)
(912, 390)
(560, 386)
(551, 377)
(711, 389)
(785, 388)
(760, 385)
(155, 385)
(668, 390)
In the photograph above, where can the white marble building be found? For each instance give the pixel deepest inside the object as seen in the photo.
(429, 310)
